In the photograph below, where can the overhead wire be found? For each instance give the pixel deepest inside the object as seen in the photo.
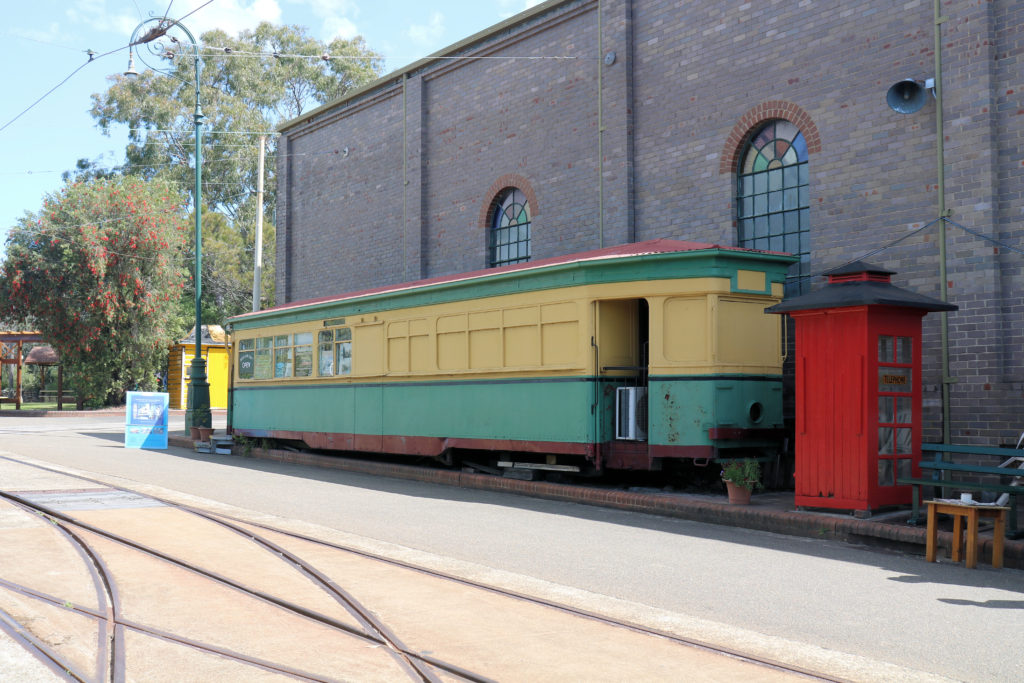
(1000, 244)
(67, 78)
(890, 245)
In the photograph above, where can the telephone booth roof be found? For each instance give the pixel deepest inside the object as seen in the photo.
(860, 284)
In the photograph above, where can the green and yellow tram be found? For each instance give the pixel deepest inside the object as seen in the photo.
(620, 358)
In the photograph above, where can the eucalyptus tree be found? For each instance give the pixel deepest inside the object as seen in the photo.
(249, 85)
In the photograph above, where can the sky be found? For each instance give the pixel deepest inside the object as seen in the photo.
(46, 41)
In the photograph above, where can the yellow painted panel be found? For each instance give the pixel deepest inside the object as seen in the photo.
(438, 344)
(778, 290)
(485, 320)
(521, 316)
(617, 333)
(451, 323)
(368, 350)
(522, 346)
(419, 327)
(485, 349)
(685, 329)
(750, 279)
(562, 311)
(398, 354)
(216, 374)
(420, 356)
(452, 351)
(561, 343)
(747, 335)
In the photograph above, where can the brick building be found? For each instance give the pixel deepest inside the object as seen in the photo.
(583, 123)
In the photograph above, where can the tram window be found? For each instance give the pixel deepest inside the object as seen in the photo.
(303, 354)
(334, 351)
(283, 355)
(264, 362)
(325, 351)
(246, 358)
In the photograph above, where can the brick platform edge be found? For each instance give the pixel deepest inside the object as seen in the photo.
(790, 522)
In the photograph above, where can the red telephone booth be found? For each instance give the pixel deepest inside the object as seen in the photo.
(858, 388)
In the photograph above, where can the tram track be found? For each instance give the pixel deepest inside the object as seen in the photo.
(373, 631)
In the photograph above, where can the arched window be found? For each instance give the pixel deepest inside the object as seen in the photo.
(772, 197)
(510, 229)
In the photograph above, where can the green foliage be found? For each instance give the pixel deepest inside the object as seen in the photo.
(99, 273)
(744, 473)
(242, 92)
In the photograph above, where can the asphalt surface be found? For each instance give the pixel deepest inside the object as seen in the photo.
(859, 613)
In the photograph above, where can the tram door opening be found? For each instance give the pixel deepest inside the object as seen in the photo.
(622, 358)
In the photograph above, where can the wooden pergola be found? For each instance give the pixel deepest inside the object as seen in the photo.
(12, 353)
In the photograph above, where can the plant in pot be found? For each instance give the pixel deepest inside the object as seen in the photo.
(741, 477)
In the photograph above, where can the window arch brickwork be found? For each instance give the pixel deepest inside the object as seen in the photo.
(751, 122)
(494, 195)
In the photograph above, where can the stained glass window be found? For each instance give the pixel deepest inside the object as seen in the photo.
(773, 199)
(510, 229)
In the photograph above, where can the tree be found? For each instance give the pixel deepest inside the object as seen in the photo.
(249, 85)
(99, 272)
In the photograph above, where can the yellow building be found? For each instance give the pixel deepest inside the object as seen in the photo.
(215, 349)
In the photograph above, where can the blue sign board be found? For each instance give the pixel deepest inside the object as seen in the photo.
(145, 420)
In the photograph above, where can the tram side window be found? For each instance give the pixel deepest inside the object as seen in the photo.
(293, 355)
(283, 355)
(246, 358)
(303, 354)
(264, 361)
(335, 352)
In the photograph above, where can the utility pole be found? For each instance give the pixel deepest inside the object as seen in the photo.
(257, 270)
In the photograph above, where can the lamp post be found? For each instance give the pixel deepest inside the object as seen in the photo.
(197, 412)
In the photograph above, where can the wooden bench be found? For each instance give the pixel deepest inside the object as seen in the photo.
(944, 474)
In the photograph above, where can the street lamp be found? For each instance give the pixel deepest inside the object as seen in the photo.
(197, 412)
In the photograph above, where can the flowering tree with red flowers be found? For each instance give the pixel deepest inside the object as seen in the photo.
(99, 272)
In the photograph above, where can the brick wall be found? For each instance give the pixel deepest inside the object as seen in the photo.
(688, 82)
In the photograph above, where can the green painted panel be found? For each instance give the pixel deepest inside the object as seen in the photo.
(530, 410)
(681, 410)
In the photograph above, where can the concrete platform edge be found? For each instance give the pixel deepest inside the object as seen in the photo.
(756, 517)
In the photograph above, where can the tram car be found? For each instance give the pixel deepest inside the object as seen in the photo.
(624, 358)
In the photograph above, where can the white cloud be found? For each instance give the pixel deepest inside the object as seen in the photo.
(330, 8)
(119, 17)
(339, 27)
(231, 16)
(428, 34)
(509, 8)
(52, 34)
(336, 17)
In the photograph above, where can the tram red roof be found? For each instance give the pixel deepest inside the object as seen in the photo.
(658, 246)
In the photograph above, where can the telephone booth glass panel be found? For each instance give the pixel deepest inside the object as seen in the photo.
(895, 408)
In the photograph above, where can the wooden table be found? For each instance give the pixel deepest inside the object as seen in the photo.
(972, 513)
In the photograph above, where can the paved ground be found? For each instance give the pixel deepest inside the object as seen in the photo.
(816, 603)
(209, 615)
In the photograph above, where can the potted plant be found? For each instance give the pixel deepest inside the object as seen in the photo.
(741, 477)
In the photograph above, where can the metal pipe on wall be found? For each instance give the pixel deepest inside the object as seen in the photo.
(947, 380)
(600, 128)
(405, 177)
